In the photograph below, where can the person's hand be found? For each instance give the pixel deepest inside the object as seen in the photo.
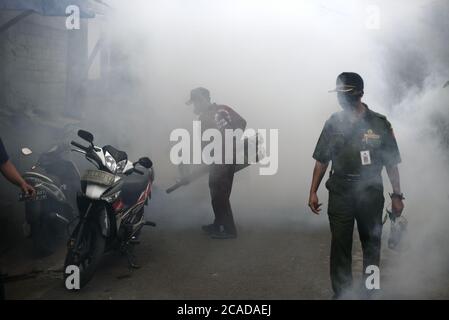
(397, 206)
(27, 189)
(313, 203)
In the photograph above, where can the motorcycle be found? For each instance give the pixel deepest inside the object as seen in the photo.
(111, 206)
(49, 213)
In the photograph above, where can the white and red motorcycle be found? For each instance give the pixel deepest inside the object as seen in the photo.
(111, 206)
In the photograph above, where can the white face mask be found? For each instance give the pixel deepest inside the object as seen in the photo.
(200, 106)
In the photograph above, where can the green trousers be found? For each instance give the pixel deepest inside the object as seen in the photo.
(350, 202)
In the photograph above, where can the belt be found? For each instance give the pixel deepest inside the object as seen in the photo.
(353, 177)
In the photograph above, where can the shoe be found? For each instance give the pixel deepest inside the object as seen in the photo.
(221, 234)
(210, 228)
(336, 296)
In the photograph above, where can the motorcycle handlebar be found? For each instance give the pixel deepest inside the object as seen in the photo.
(76, 144)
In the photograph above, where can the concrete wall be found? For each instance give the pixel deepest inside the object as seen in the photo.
(33, 55)
(34, 68)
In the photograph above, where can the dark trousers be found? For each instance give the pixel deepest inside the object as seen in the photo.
(221, 177)
(364, 205)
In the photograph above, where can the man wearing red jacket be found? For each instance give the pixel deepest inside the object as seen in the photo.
(221, 176)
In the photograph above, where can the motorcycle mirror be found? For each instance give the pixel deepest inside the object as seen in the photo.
(85, 135)
(26, 151)
(145, 162)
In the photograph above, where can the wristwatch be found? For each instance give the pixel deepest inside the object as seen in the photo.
(397, 195)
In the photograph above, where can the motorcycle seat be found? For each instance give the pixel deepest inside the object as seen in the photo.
(133, 186)
(116, 154)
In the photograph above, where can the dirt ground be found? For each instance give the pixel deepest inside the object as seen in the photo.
(279, 254)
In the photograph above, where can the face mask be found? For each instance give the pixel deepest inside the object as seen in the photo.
(347, 101)
(196, 109)
(199, 107)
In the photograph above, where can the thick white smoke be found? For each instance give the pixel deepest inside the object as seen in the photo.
(273, 61)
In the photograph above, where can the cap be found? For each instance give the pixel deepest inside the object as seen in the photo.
(198, 92)
(348, 81)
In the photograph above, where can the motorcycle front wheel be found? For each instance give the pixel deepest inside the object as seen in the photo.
(87, 255)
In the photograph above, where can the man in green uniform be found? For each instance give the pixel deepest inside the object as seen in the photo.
(359, 142)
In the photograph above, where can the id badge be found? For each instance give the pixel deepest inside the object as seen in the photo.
(365, 157)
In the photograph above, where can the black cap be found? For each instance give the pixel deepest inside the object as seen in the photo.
(349, 81)
(198, 92)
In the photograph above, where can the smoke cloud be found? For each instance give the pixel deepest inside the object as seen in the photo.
(274, 62)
